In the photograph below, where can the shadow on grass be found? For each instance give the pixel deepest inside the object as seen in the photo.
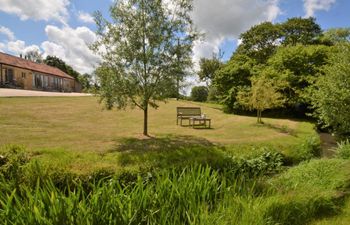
(281, 129)
(167, 151)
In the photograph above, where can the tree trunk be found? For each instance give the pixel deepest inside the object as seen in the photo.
(259, 116)
(145, 120)
(177, 88)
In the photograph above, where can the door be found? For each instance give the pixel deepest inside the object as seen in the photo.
(9, 76)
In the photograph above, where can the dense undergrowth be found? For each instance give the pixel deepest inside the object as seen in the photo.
(251, 189)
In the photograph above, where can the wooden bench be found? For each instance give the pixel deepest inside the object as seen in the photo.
(185, 113)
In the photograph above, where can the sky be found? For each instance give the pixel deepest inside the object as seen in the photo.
(65, 28)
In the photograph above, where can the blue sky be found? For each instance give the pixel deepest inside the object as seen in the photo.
(65, 29)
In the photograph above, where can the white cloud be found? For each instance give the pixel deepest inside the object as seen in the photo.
(311, 6)
(85, 17)
(71, 45)
(16, 47)
(2, 47)
(19, 47)
(37, 9)
(224, 20)
(7, 32)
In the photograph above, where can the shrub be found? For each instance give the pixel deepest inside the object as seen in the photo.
(12, 161)
(343, 150)
(310, 147)
(265, 163)
(199, 93)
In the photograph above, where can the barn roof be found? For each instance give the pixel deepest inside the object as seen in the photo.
(10, 60)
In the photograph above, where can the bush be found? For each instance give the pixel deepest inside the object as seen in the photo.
(199, 94)
(343, 150)
(12, 162)
(265, 163)
(310, 147)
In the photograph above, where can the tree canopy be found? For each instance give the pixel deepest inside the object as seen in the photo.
(208, 67)
(304, 31)
(60, 64)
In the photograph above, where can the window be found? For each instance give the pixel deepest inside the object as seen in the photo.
(38, 81)
(23, 75)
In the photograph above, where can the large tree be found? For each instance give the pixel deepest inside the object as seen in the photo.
(331, 93)
(299, 66)
(260, 41)
(231, 77)
(143, 47)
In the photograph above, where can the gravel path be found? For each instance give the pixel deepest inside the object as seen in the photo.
(6, 92)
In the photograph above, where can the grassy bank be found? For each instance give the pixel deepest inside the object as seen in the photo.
(237, 192)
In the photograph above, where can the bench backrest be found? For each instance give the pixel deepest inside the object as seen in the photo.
(189, 111)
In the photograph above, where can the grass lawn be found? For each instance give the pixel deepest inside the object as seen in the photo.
(77, 132)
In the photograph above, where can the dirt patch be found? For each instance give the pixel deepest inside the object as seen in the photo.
(328, 145)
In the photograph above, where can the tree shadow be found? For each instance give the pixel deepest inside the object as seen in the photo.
(167, 151)
(281, 129)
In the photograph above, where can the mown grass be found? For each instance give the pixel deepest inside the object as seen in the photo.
(78, 134)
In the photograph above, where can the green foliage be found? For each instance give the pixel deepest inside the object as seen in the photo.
(85, 81)
(266, 163)
(330, 96)
(60, 64)
(232, 77)
(343, 150)
(12, 161)
(213, 94)
(335, 36)
(304, 31)
(234, 191)
(199, 93)
(308, 148)
(317, 175)
(261, 96)
(259, 42)
(290, 52)
(208, 67)
(298, 67)
(147, 45)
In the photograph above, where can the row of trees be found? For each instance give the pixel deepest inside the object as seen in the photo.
(280, 65)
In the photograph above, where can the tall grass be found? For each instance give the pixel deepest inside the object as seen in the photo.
(343, 150)
(235, 193)
(167, 197)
